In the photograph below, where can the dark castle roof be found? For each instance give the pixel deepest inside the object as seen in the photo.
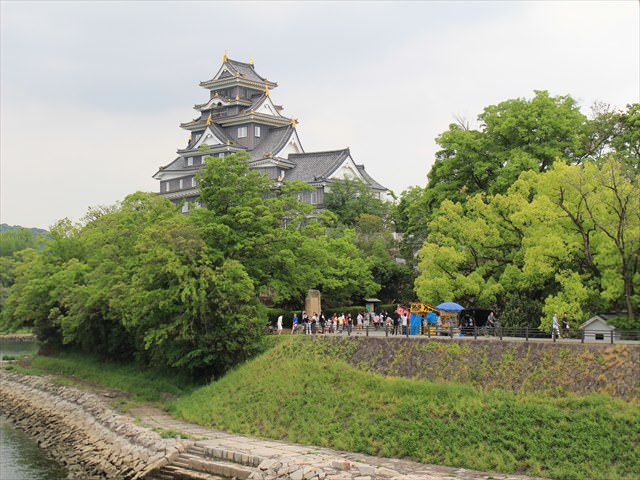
(316, 166)
(245, 69)
(275, 141)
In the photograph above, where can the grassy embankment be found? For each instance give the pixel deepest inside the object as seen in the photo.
(302, 391)
(143, 384)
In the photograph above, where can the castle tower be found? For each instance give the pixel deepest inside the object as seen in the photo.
(241, 115)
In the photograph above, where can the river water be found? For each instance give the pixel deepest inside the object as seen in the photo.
(20, 456)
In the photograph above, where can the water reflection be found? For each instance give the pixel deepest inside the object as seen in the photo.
(22, 459)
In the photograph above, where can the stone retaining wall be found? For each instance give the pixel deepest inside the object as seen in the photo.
(81, 432)
(514, 365)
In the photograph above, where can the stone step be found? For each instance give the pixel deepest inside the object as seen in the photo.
(239, 458)
(198, 463)
(172, 472)
(196, 450)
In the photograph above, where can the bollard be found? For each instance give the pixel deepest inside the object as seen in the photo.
(526, 334)
(611, 337)
(386, 330)
(475, 332)
(500, 333)
(366, 331)
(581, 336)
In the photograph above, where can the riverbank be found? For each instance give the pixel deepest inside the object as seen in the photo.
(345, 394)
(80, 431)
(94, 442)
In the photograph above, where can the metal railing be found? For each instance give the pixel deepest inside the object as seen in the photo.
(478, 333)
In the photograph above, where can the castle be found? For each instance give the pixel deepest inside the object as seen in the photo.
(240, 115)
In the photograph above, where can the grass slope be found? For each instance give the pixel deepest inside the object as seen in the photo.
(303, 392)
(145, 384)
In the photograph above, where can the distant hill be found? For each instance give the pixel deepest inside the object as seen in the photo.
(14, 238)
(36, 231)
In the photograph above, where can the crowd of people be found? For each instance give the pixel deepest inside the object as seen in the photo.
(345, 323)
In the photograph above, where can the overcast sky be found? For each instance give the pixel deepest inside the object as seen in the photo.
(92, 92)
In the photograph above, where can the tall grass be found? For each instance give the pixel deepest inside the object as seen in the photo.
(145, 384)
(303, 392)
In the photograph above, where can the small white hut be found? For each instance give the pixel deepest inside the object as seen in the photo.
(597, 329)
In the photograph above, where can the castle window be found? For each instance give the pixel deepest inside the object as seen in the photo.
(221, 155)
(185, 207)
(242, 132)
(314, 197)
(193, 181)
(166, 187)
(257, 131)
(189, 161)
(181, 184)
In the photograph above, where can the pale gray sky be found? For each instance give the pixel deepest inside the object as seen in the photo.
(92, 92)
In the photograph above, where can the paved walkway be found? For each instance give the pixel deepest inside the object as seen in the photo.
(243, 449)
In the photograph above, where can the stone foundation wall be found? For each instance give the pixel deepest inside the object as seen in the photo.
(80, 431)
(518, 366)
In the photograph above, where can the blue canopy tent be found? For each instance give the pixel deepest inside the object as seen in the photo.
(450, 307)
(450, 310)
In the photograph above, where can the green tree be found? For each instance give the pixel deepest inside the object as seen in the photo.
(273, 235)
(350, 198)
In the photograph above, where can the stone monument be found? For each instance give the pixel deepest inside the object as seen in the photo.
(312, 302)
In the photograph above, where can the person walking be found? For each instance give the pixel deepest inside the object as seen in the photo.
(555, 328)
(279, 325)
(294, 324)
(565, 324)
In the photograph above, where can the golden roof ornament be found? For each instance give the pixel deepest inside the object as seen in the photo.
(294, 122)
(228, 142)
(209, 120)
(266, 89)
(237, 97)
(225, 57)
(251, 61)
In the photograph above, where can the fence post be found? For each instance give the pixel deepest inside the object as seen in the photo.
(386, 329)
(366, 330)
(450, 331)
(475, 332)
(500, 328)
(406, 329)
(581, 336)
(526, 334)
(612, 336)
(553, 335)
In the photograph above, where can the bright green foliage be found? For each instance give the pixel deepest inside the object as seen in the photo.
(566, 240)
(535, 213)
(142, 280)
(137, 280)
(273, 237)
(515, 136)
